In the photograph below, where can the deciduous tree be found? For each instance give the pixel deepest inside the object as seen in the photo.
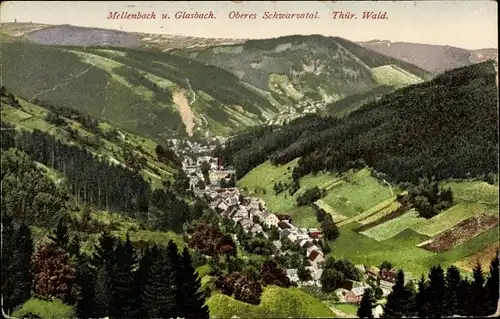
(53, 277)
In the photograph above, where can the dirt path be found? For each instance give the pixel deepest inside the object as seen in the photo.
(186, 113)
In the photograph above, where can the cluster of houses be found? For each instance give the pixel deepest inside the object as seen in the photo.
(251, 213)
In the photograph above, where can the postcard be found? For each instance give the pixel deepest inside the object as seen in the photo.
(249, 159)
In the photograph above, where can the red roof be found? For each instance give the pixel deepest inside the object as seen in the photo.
(283, 225)
(351, 297)
(315, 234)
(313, 255)
(388, 275)
(283, 216)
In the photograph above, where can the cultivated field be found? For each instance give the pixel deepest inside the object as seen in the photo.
(475, 191)
(381, 213)
(461, 233)
(449, 218)
(359, 193)
(336, 216)
(393, 227)
(387, 204)
(483, 256)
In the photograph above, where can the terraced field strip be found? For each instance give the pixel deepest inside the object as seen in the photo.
(448, 219)
(479, 192)
(393, 227)
(334, 184)
(336, 216)
(381, 213)
(461, 233)
(484, 257)
(383, 216)
(370, 211)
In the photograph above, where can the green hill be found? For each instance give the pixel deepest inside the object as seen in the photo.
(105, 141)
(141, 87)
(60, 144)
(298, 67)
(446, 128)
(144, 92)
(275, 302)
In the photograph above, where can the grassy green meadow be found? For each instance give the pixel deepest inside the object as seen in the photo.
(356, 198)
(276, 302)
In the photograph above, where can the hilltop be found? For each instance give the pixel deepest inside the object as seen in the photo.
(432, 58)
(307, 72)
(160, 85)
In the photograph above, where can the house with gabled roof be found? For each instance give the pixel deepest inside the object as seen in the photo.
(373, 271)
(230, 211)
(288, 233)
(388, 275)
(256, 228)
(271, 220)
(245, 222)
(284, 225)
(304, 243)
(284, 217)
(222, 206)
(315, 258)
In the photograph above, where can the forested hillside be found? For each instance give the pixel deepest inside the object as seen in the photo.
(443, 128)
(106, 215)
(145, 92)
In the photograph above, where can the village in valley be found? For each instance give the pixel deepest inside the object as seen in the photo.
(210, 180)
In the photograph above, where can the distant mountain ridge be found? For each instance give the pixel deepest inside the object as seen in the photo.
(432, 58)
(170, 84)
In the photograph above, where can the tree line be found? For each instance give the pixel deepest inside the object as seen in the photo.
(441, 294)
(428, 129)
(89, 180)
(115, 281)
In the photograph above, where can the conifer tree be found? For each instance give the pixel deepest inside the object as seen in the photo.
(464, 296)
(190, 299)
(17, 249)
(436, 290)
(104, 251)
(422, 298)
(492, 285)
(451, 297)
(105, 261)
(74, 247)
(85, 280)
(61, 236)
(159, 296)
(122, 280)
(478, 303)
(102, 291)
(400, 300)
(141, 277)
(366, 304)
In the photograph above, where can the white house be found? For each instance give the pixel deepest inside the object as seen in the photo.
(271, 220)
(292, 275)
(378, 311)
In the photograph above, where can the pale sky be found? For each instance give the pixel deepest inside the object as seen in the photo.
(465, 24)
